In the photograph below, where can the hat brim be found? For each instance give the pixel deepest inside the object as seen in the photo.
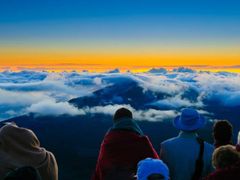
(199, 124)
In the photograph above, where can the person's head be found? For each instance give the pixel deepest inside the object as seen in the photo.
(152, 169)
(225, 156)
(122, 113)
(23, 173)
(222, 132)
(189, 120)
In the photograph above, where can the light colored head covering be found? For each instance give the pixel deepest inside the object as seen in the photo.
(20, 147)
(151, 166)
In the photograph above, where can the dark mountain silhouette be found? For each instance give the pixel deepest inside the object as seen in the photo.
(126, 91)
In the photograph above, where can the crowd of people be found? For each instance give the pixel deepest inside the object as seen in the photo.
(127, 154)
(126, 151)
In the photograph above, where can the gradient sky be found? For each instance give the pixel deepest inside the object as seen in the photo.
(111, 33)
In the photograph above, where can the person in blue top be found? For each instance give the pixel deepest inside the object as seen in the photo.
(187, 156)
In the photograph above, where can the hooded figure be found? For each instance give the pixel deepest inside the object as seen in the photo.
(20, 147)
(123, 147)
(187, 156)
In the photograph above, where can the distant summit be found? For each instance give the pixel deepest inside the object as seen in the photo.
(114, 71)
(158, 70)
(184, 70)
(123, 91)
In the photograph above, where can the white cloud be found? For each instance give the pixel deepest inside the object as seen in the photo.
(27, 91)
(177, 102)
(22, 76)
(222, 87)
(150, 114)
(97, 81)
(160, 83)
(49, 107)
(20, 98)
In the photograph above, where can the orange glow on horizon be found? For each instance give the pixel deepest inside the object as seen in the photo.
(66, 60)
(105, 68)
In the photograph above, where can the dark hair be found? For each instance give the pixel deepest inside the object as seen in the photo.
(122, 113)
(222, 132)
(23, 173)
(156, 177)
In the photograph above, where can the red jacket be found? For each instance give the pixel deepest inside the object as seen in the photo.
(231, 173)
(120, 153)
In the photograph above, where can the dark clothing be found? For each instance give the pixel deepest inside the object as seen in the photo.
(230, 173)
(120, 152)
(24, 173)
(238, 147)
(219, 144)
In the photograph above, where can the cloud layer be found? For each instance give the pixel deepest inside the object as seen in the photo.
(47, 93)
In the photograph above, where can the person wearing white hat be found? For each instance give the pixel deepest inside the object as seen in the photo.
(187, 156)
(152, 169)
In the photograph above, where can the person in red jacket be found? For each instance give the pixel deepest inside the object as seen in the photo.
(124, 145)
(226, 160)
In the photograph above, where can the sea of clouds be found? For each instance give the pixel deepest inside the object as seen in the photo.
(48, 93)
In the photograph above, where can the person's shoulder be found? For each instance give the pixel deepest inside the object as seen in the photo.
(169, 141)
(209, 146)
(209, 149)
(144, 138)
(50, 157)
(116, 135)
(218, 174)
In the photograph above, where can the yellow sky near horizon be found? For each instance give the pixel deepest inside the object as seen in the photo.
(137, 60)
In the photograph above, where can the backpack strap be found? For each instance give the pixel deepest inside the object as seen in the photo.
(199, 162)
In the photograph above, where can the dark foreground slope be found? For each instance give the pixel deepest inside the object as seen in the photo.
(75, 140)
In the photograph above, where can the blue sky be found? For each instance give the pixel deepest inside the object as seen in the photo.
(28, 10)
(120, 27)
(126, 15)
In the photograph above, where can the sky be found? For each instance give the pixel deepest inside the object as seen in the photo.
(127, 34)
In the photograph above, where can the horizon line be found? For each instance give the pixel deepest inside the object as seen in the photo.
(61, 67)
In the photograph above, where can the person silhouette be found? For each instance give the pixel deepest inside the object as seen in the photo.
(187, 156)
(20, 147)
(123, 146)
